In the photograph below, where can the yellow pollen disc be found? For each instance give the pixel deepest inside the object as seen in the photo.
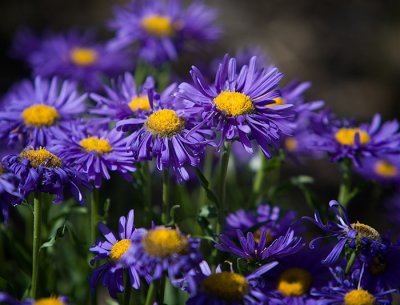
(291, 144)
(294, 282)
(226, 285)
(377, 265)
(83, 56)
(257, 236)
(366, 231)
(385, 169)
(346, 136)
(359, 297)
(163, 242)
(158, 25)
(234, 103)
(119, 249)
(164, 123)
(39, 115)
(41, 157)
(49, 301)
(139, 102)
(98, 145)
(278, 101)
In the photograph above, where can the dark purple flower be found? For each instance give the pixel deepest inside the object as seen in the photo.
(9, 196)
(9, 300)
(385, 170)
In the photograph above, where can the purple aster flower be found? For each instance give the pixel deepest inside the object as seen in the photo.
(97, 152)
(166, 134)
(73, 55)
(9, 300)
(9, 195)
(354, 235)
(385, 170)
(34, 113)
(260, 247)
(350, 291)
(238, 104)
(347, 140)
(163, 250)
(123, 99)
(113, 249)
(39, 170)
(225, 287)
(163, 29)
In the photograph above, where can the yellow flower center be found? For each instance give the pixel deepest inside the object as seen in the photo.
(98, 145)
(83, 56)
(234, 103)
(41, 157)
(228, 286)
(294, 282)
(164, 123)
(164, 242)
(377, 266)
(366, 231)
(39, 115)
(346, 136)
(291, 144)
(257, 236)
(385, 169)
(139, 102)
(158, 25)
(49, 301)
(359, 297)
(119, 249)
(278, 101)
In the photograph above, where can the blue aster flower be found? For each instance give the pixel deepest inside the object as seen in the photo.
(97, 152)
(355, 235)
(166, 134)
(163, 250)
(73, 55)
(163, 29)
(39, 170)
(34, 113)
(113, 249)
(7, 299)
(9, 195)
(239, 104)
(384, 169)
(225, 287)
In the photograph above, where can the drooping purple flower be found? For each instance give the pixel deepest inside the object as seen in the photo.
(9, 195)
(9, 300)
(238, 104)
(113, 249)
(163, 29)
(34, 113)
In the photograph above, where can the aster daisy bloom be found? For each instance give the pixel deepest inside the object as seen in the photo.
(384, 169)
(73, 55)
(124, 99)
(166, 134)
(39, 170)
(163, 250)
(9, 195)
(9, 300)
(113, 249)
(163, 29)
(34, 113)
(97, 152)
(225, 287)
(355, 235)
(239, 104)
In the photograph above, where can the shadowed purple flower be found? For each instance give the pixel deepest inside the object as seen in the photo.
(240, 104)
(9, 300)
(9, 195)
(384, 170)
(113, 249)
(36, 112)
(163, 28)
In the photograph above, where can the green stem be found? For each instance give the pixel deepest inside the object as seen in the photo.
(150, 294)
(350, 262)
(345, 193)
(161, 291)
(165, 197)
(222, 186)
(259, 179)
(128, 289)
(94, 215)
(147, 206)
(36, 244)
(208, 161)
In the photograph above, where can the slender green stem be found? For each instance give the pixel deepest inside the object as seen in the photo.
(345, 192)
(127, 288)
(94, 215)
(259, 179)
(350, 262)
(222, 185)
(36, 244)
(148, 206)
(161, 291)
(165, 197)
(150, 294)
(208, 162)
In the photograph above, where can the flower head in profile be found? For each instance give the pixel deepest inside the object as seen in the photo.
(113, 249)
(9, 300)
(162, 29)
(97, 152)
(225, 287)
(72, 55)
(9, 195)
(39, 170)
(34, 113)
(162, 250)
(385, 169)
(241, 104)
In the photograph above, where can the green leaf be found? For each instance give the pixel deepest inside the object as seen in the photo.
(59, 233)
(205, 184)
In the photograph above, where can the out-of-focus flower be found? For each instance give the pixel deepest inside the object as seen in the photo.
(9, 300)
(9, 195)
(385, 170)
